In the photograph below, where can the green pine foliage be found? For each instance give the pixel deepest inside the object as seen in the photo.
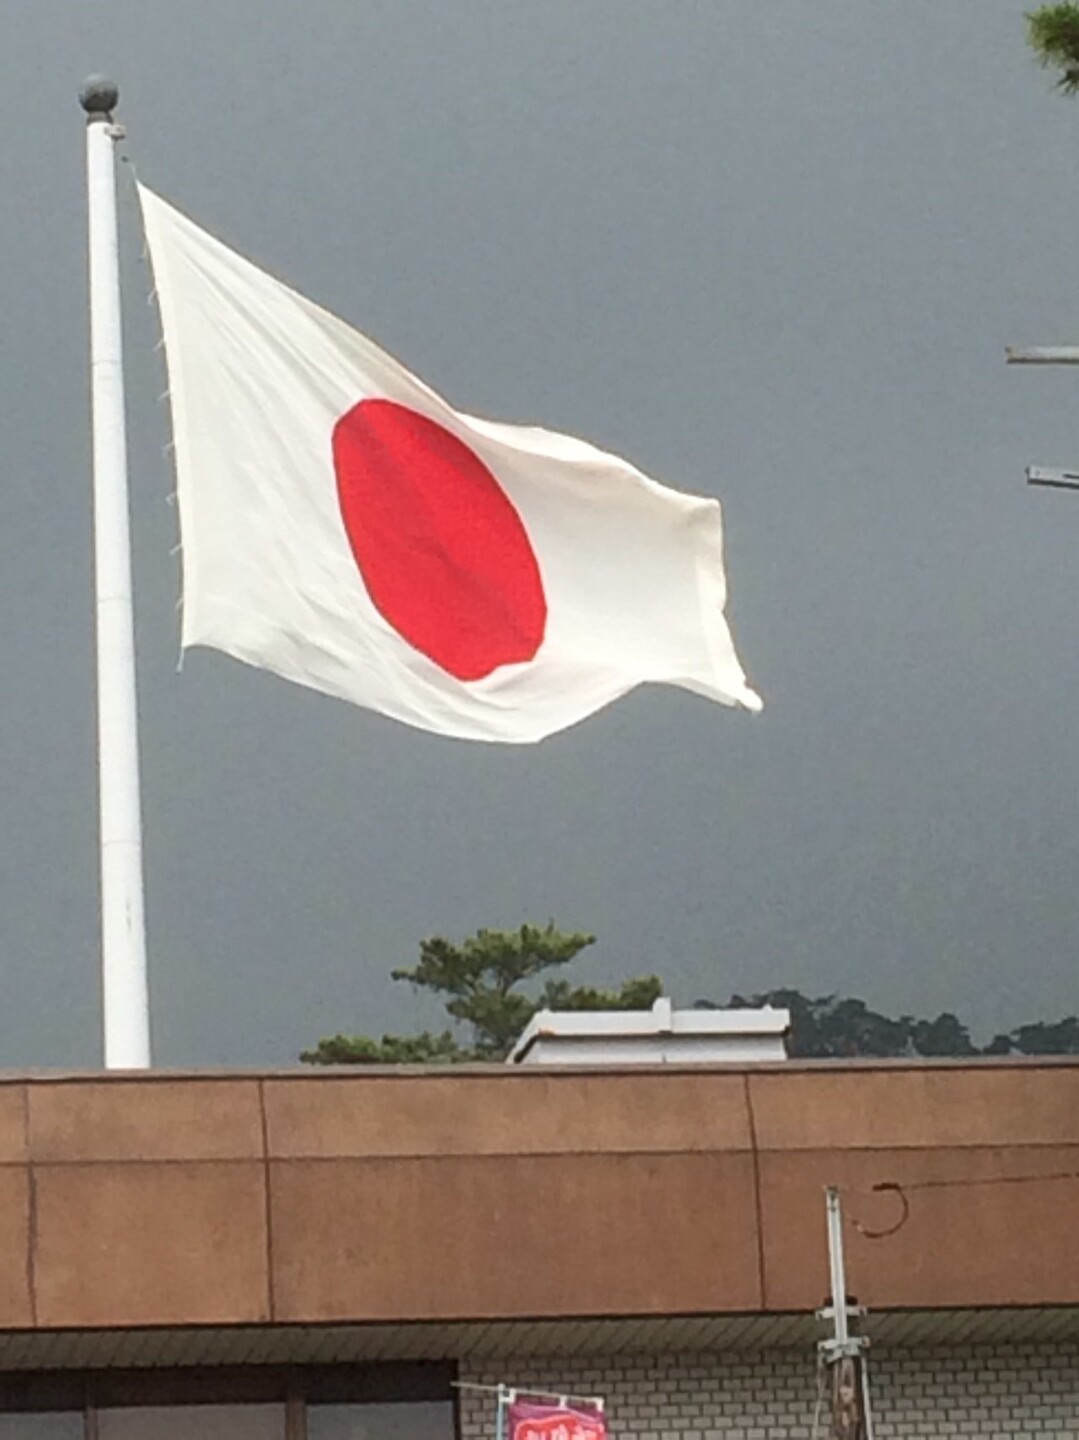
(1053, 35)
(488, 985)
(423, 1049)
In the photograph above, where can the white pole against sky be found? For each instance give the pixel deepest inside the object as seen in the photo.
(123, 926)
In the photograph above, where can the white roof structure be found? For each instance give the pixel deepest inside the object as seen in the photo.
(660, 1036)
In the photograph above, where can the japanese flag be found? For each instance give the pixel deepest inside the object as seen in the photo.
(343, 527)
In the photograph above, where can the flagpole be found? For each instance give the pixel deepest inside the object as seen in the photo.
(123, 927)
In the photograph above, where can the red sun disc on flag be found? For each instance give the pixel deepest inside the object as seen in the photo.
(443, 553)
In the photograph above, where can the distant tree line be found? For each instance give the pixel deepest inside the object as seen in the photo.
(493, 982)
(841, 1026)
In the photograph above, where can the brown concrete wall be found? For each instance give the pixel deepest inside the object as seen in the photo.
(396, 1195)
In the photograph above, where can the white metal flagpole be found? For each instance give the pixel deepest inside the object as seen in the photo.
(123, 927)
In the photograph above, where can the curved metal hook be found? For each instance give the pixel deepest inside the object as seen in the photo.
(891, 1187)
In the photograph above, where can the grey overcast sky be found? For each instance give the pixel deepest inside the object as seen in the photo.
(769, 252)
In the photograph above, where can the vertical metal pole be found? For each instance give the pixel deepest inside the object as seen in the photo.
(123, 928)
(500, 1413)
(836, 1266)
(844, 1354)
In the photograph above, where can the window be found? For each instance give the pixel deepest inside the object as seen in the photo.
(190, 1422)
(392, 1401)
(431, 1421)
(45, 1425)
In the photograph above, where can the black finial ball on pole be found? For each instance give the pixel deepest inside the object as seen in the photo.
(98, 95)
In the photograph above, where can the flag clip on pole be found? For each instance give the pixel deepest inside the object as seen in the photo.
(123, 928)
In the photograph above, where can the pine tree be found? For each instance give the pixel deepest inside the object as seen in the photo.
(479, 981)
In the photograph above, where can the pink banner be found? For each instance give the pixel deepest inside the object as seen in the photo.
(529, 1421)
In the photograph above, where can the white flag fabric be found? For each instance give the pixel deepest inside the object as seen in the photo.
(345, 528)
